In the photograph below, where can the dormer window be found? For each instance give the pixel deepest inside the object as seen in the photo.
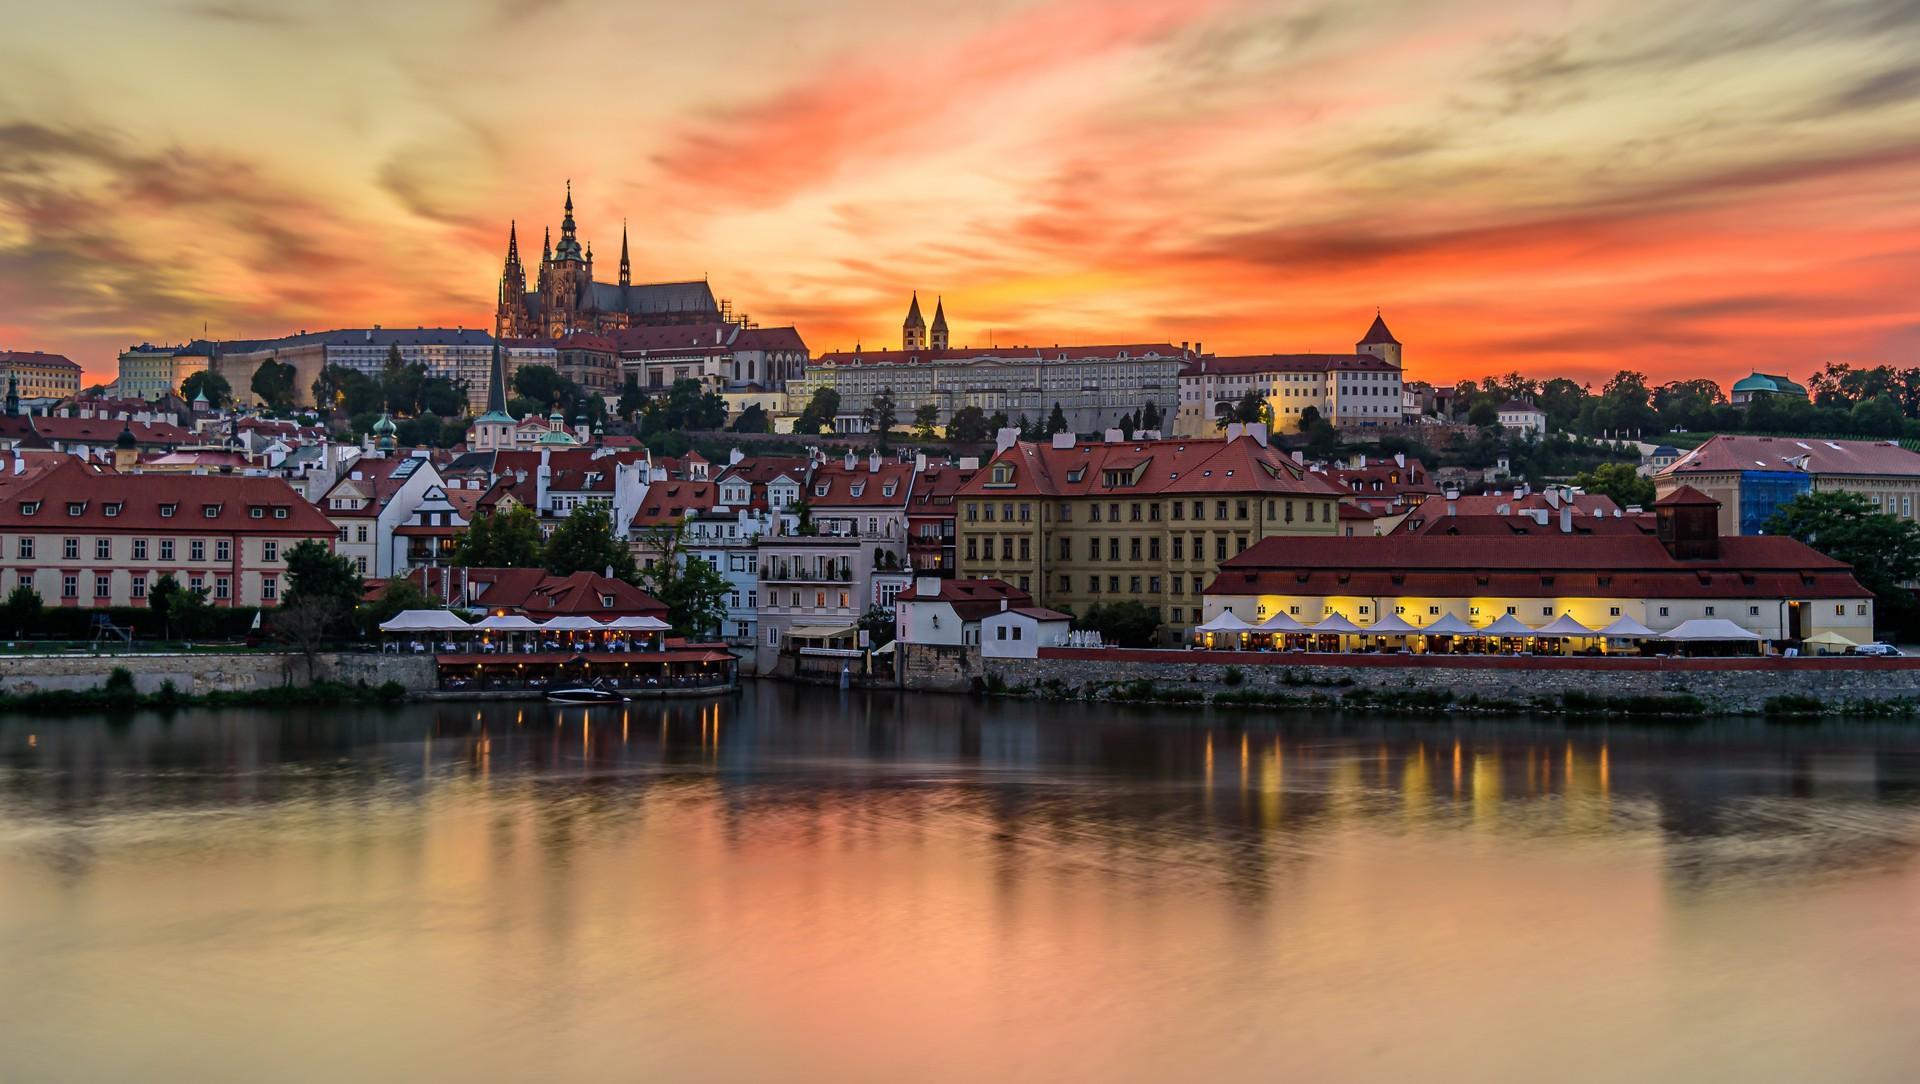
(257, 512)
(167, 510)
(1002, 474)
(820, 490)
(76, 508)
(606, 601)
(279, 513)
(858, 488)
(211, 511)
(112, 509)
(28, 508)
(887, 490)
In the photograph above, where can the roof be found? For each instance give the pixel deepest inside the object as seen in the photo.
(1686, 497)
(1039, 613)
(74, 495)
(107, 431)
(834, 485)
(540, 594)
(716, 335)
(1533, 566)
(1015, 355)
(650, 298)
(761, 469)
(1768, 382)
(1153, 467)
(37, 357)
(1378, 334)
(1520, 523)
(1727, 453)
(1255, 364)
(1519, 406)
(971, 599)
(667, 502)
(770, 338)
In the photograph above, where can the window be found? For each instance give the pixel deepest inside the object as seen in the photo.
(360, 533)
(223, 549)
(1179, 510)
(211, 511)
(76, 508)
(1113, 549)
(1000, 633)
(1093, 513)
(1860, 610)
(1133, 585)
(111, 509)
(360, 565)
(343, 534)
(1066, 583)
(167, 510)
(270, 550)
(102, 586)
(1663, 611)
(69, 586)
(70, 548)
(103, 549)
(1153, 584)
(139, 587)
(1546, 611)
(1113, 585)
(1509, 609)
(1220, 547)
(1709, 611)
(197, 550)
(166, 549)
(1613, 611)
(973, 551)
(279, 513)
(26, 548)
(222, 587)
(139, 549)
(1179, 548)
(257, 512)
(269, 588)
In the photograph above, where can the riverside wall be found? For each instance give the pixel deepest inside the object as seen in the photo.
(1723, 685)
(199, 673)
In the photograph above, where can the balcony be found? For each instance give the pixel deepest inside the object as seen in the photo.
(781, 572)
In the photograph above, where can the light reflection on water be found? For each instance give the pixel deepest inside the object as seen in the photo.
(796, 884)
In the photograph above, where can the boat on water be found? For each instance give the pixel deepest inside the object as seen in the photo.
(584, 694)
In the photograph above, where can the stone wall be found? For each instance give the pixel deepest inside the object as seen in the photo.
(1724, 685)
(205, 672)
(940, 668)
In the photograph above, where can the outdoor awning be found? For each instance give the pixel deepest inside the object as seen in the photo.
(639, 624)
(1448, 625)
(1507, 625)
(424, 621)
(571, 623)
(1279, 622)
(1708, 629)
(1390, 625)
(819, 632)
(506, 623)
(1226, 621)
(1830, 639)
(1626, 628)
(1334, 623)
(1564, 625)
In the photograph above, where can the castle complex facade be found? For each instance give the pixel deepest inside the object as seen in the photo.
(565, 299)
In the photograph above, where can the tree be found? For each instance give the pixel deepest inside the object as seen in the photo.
(686, 405)
(1621, 481)
(219, 393)
(443, 396)
(752, 420)
(273, 383)
(693, 591)
(402, 594)
(631, 398)
(340, 390)
(819, 412)
(969, 424)
(1484, 413)
(1251, 407)
(1057, 420)
(508, 537)
(879, 626)
(305, 624)
(160, 600)
(881, 414)
(1884, 550)
(22, 610)
(1128, 624)
(321, 583)
(998, 421)
(1150, 417)
(544, 385)
(189, 614)
(584, 542)
(926, 421)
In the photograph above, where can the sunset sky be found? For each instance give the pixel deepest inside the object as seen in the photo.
(1558, 188)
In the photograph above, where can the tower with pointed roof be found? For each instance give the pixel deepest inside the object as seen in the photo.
(1379, 342)
(510, 317)
(939, 332)
(913, 333)
(626, 265)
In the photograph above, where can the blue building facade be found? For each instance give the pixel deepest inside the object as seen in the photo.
(1763, 492)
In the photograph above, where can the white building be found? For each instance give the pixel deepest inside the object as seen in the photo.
(1019, 632)
(1361, 389)
(1521, 416)
(372, 500)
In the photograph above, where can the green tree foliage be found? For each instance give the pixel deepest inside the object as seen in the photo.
(584, 542)
(1621, 481)
(1484, 413)
(1884, 550)
(817, 417)
(401, 594)
(342, 391)
(998, 421)
(1250, 407)
(686, 405)
(219, 393)
(693, 591)
(1057, 420)
(321, 584)
(632, 398)
(22, 610)
(969, 424)
(506, 538)
(274, 384)
(881, 414)
(1127, 624)
(442, 397)
(753, 420)
(926, 421)
(1150, 417)
(184, 612)
(544, 385)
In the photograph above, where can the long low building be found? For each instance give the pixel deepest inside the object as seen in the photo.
(1777, 588)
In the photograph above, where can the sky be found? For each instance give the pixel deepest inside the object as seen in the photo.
(1564, 188)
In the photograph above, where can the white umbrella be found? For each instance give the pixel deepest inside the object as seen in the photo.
(507, 623)
(1565, 625)
(642, 624)
(1449, 625)
(1227, 621)
(1390, 625)
(1708, 629)
(1335, 623)
(1626, 628)
(1507, 625)
(1280, 622)
(571, 624)
(424, 621)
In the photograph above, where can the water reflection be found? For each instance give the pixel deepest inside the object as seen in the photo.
(879, 882)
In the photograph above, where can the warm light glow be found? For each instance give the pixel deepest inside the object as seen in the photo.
(1551, 188)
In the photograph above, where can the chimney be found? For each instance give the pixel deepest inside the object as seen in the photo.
(1400, 459)
(1113, 436)
(1003, 604)
(1006, 438)
(1197, 348)
(873, 462)
(1566, 519)
(1258, 431)
(1551, 496)
(1063, 440)
(1453, 504)
(1503, 510)
(850, 460)
(1234, 429)
(1539, 516)
(919, 462)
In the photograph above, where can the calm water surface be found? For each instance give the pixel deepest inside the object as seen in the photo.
(804, 884)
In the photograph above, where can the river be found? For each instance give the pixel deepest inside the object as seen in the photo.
(805, 884)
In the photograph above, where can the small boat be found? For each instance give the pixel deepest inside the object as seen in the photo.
(584, 694)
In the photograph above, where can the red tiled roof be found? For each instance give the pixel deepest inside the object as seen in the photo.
(1209, 465)
(833, 485)
(107, 430)
(540, 594)
(785, 339)
(1725, 453)
(761, 469)
(972, 599)
(671, 500)
(1426, 522)
(1686, 497)
(76, 495)
(1020, 355)
(674, 338)
(1257, 364)
(1534, 566)
(37, 357)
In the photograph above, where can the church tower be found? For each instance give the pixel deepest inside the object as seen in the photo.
(1380, 342)
(939, 324)
(509, 321)
(626, 265)
(566, 277)
(913, 333)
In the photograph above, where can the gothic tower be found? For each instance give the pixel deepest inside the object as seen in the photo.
(913, 333)
(939, 324)
(510, 319)
(566, 278)
(626, 265)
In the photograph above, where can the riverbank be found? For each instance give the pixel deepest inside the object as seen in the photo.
(1493, 685)
(119, 693)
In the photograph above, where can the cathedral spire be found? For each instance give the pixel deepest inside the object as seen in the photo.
(513, 242)
(569, 246)
(497, 384)
(913, 331)
(546, 246)
(939, 340)
(626, 265)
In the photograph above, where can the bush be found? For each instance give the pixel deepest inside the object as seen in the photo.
(1794, 704)
(1232, 675)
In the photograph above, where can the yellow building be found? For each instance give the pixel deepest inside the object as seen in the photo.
(37, 375)
(1082, 524)
(149, 372)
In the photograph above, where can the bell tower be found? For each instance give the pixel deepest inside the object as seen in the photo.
(913, 333)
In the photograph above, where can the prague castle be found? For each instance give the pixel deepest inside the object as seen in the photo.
(565, 298)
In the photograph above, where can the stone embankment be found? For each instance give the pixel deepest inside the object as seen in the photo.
(200, 673)
(1729, 686)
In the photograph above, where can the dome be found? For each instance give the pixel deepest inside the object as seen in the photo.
(385, 425)
(1756, 382)
(125, 439)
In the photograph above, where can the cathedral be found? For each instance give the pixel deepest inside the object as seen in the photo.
(565, 298)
